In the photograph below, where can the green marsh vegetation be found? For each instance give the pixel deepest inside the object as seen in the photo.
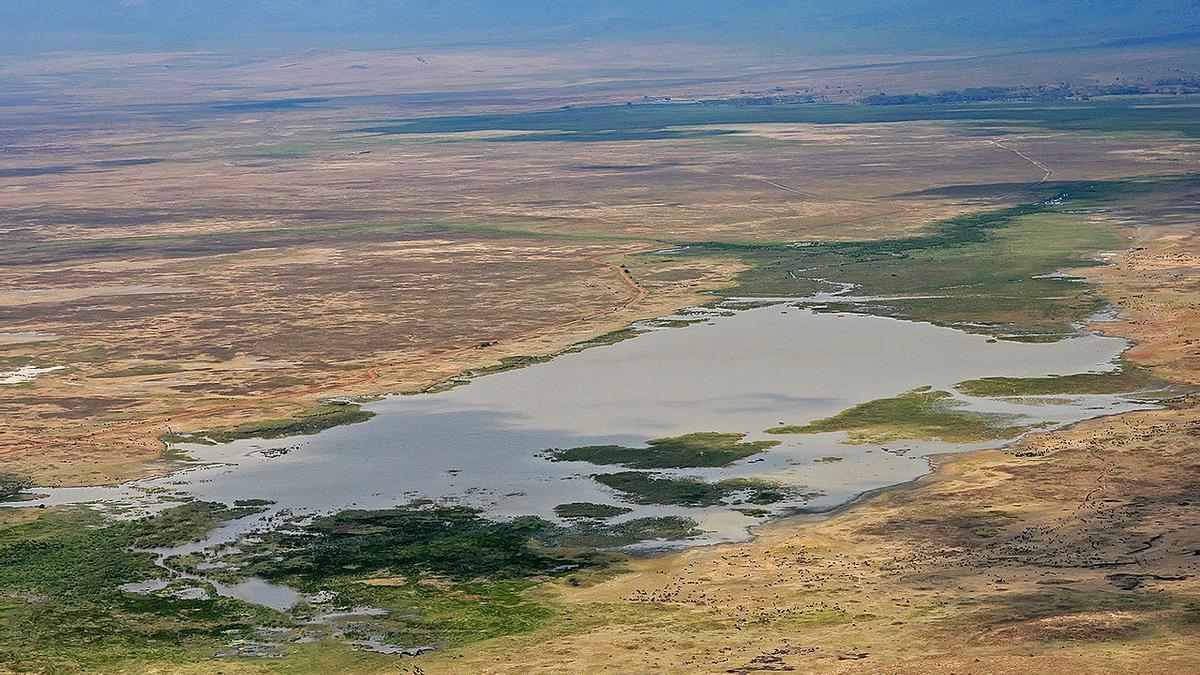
(432, 612)
(673, 323)
(595, 535)
(451, 542)
(589, 510)
(982, 272)
(507, 363)
(456, 543)
(610, 338)
(702, 449)
(644, 488)
(1127, 378)
(59, 575)
(1176, 115)
(918, 415)
(310, 421)
(446, 574)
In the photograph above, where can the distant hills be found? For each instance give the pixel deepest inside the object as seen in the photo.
(817, 27)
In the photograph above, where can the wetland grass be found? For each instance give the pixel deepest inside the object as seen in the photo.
(310, 421)
(983, 272)
(1126, 379)
(445, 575)
(593, 535)
(589, 511)
(640, 487)
(653, 121)
(702, 449)
(60, 570)
(914, 415)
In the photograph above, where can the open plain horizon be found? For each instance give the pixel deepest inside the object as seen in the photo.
(459, 337)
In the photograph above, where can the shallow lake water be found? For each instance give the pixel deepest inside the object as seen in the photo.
(480, 443)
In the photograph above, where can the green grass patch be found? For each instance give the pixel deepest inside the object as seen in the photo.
(1178, 115)
(311, 421)
(451, 542)
(755, 491)
(253, 502)
(920, 414)
(446, 574)
(645, 488)
(1125, 379)
(597, 536)
(506, 363)
(980, 272)
(423, 613)
(983, 272)
(610, 338)
(702, 449)
(589, 510)
(672, 323)
(62, 610)
(509, 363)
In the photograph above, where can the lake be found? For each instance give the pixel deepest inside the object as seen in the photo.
(481, 443)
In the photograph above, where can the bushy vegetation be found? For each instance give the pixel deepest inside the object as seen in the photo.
(446, 574)
(453, 542)
(61, 606)
(594, 535)
(11, 486)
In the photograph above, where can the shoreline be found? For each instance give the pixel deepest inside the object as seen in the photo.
(800, 514)
(714, 300)
(940, 461)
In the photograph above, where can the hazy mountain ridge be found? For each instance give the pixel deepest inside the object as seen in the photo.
(806, 26)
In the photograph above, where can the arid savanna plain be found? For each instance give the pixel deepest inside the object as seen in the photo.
(599, 337)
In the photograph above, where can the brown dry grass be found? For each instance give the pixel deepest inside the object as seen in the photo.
(266, 261)
(264, 300)
(263, 333)
(1073, 551)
